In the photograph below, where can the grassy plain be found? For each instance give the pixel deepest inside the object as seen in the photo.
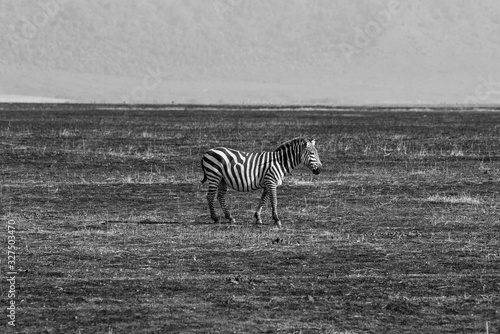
(399, 234)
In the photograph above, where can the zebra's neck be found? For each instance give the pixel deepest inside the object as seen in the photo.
(288, 156)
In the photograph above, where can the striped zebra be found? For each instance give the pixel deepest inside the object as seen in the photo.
(225, 167)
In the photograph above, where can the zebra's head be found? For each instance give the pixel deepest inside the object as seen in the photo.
(310, 157)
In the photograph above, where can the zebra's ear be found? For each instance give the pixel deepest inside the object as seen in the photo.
(310, 143)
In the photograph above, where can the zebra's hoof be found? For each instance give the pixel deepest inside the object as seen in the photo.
(232, 221)
(258, 222)
(278, 223)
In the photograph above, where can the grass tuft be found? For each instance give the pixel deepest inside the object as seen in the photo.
(455, 199)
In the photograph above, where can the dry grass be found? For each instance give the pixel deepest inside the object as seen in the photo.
(455, 199)
(399, 232)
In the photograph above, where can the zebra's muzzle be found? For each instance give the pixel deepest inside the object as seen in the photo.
(316, 171)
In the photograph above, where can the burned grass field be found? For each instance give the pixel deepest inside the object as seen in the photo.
(400, 232)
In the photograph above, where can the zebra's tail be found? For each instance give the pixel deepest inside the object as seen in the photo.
(204, 174)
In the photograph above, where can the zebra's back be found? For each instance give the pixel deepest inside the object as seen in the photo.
(242, 171)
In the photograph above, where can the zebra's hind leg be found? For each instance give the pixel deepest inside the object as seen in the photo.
(212, 191)
(222, 200)
(262, 202)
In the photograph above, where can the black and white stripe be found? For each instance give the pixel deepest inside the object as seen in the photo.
(225, 167)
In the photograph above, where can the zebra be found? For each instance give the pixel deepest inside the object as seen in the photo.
(225, 167)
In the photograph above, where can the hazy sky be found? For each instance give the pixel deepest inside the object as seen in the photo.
(237, 51)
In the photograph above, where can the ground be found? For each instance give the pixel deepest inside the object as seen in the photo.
(398, 234)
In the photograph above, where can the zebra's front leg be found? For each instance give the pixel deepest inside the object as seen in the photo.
(274, 204)
(262, 202)
(222, 200)
(212, 191)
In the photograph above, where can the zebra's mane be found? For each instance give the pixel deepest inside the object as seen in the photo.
(290, 143)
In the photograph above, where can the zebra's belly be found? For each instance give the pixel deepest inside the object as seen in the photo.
(241, 180)
(247, 186)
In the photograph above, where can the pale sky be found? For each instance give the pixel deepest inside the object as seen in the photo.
(237, 51)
